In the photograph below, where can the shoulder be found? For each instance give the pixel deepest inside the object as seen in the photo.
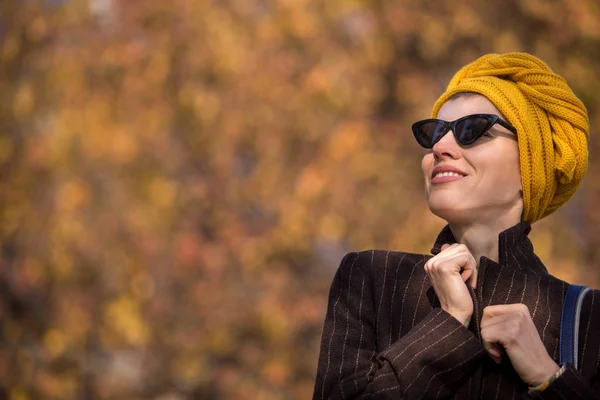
(592, 292)
(591, 300)
(377, 262)
(591, 303)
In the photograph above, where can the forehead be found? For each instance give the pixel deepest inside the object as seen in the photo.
(461, 106)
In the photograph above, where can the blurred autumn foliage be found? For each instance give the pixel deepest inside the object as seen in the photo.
(180, 179)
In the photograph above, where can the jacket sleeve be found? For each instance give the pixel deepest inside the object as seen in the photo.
(569, 385)
(430, 362)
(585, 382)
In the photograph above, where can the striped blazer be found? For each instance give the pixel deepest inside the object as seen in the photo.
(386, 337)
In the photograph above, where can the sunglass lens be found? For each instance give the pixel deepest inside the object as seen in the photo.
(431, 132)
(471, 129)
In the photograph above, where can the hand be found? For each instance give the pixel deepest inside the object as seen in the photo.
(509, 329)
(448, 272)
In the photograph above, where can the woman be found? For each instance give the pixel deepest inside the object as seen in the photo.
(481, 318)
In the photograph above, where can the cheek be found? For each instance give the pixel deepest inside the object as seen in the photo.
(512, 169)
(517, 169)
(504, 175)
(427, 165)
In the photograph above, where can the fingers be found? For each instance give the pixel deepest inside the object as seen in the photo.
(455, 258)
(448, 272)
(502, 325)
(494, 337)
(455, 265)
(470, 277)
(449, 251)
(466, 274)
(451, 262)
(495, 351)
(492, 312)
(509, 329)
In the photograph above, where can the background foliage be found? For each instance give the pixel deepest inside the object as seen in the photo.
(179, 180)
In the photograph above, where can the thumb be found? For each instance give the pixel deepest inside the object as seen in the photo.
(445, 246)
(495, 351)
(473, 278)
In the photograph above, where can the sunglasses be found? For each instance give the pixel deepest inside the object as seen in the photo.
(466, 130)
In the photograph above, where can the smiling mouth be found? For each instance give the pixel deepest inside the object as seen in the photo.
(446, 176)
(442, 174)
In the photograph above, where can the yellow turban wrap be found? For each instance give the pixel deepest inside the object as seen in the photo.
(552, 124)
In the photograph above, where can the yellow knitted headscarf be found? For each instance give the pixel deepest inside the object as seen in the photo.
(552, 124)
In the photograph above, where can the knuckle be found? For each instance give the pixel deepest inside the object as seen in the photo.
(514, 332)
(436, 265)
(465, 249)
(524, 309)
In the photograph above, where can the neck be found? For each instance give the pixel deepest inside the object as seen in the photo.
(481, 238)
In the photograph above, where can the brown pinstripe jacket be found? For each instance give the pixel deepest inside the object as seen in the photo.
(385, 336)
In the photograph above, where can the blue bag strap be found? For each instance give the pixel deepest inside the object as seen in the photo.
(569, 324)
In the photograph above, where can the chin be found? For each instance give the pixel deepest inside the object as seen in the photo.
(450, 213)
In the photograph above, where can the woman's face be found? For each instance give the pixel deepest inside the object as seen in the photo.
(488, 186)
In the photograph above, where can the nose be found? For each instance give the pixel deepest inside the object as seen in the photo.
(446, 147)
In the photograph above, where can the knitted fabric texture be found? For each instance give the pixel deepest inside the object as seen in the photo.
(552, 124)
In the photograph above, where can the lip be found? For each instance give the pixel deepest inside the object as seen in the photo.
(446, 168)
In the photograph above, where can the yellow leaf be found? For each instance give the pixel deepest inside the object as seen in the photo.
(24, 101)
(163, 192)
(54, 342)
(6, 148)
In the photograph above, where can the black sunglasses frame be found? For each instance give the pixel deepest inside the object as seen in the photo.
(424, 141)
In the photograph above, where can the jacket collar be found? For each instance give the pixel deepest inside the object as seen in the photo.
(518, 277)
(514, 248)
